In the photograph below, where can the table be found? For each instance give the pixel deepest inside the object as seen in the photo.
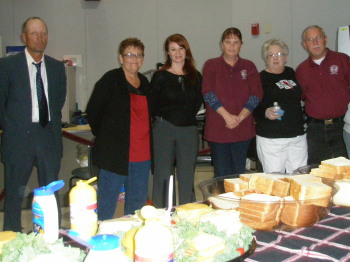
(329, 240)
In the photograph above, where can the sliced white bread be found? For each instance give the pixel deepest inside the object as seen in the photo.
(346, 175)
(325, 174)
(267, 225)
(260, 211)
(244, 192)
(261, 202)
(257, 215)
(227, 201)
(318, 192)
(298, 214)
(234, 184)
(339, 164)
(246, 177)
(271, 185)
(307, 177)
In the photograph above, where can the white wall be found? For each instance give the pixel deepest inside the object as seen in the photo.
(94, 29)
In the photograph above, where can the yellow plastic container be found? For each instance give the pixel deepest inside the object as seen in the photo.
(83, 208)
(153, 241)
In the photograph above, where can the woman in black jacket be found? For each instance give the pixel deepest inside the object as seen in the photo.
(119, 118)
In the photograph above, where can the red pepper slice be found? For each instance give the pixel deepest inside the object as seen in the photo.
(240, 250)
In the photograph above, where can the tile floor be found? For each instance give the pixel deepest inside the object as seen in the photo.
(203, 172)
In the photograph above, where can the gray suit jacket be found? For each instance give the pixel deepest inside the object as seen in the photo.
(16, 110)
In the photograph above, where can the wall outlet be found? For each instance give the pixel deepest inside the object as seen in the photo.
(76, 59)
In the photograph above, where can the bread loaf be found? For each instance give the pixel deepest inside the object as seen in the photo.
(234, 184)
(324, 173)
(246, 177)
(268, 225)
(270, 185)
(339, 164)
(307, 177)
(260, 211)
(318, 192)
(299, 213)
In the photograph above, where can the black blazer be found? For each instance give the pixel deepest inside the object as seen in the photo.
(108, 113)
(16, 109)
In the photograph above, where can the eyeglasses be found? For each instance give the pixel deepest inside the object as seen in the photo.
(279, 54)
(316, 39)
(131, 55)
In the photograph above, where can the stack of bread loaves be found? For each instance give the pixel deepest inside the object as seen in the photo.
(267, 200)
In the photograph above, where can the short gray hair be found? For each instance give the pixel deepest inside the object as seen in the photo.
(311, 27)
(24, 25)
(273, 41)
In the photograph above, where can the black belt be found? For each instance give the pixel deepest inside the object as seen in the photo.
(326, 121)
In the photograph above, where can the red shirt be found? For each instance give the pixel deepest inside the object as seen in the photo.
(139, 129)
(325, 87)
(232, 85)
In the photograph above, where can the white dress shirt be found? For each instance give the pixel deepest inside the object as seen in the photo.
(32, 76)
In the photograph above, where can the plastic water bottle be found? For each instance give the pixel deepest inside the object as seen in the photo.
(45, 212)
(278, 110)
(153, 241)
(121, 197)
(83, 208)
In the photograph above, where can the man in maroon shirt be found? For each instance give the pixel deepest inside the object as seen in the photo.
(325, 80)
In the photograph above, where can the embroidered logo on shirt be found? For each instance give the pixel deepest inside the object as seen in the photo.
(244, 74)
(286, 84)
(333, 69)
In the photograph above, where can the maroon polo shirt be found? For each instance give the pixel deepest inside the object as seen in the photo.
(233, 85)
(325, 87)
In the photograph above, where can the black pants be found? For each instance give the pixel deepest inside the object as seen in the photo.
(17, 176)
(325, 141)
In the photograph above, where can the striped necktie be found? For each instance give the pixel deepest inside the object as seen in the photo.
(42, 102)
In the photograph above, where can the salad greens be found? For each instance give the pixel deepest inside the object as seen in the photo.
(185, 230)
(30, 247)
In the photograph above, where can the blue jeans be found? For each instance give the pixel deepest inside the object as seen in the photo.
(229, 158)
(136, 189)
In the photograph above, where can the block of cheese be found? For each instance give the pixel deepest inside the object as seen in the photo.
(234, 184)
(318, 192)
(206, 245)
(192, 211)
(5, 237)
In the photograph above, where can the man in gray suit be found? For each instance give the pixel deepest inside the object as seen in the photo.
(32, 94)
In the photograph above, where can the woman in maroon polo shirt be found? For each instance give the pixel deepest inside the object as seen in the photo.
(231, 89)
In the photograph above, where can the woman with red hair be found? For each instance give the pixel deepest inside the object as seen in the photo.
(175, 100)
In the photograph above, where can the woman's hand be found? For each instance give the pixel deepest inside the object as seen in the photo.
(232, 121)
(271, 113)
